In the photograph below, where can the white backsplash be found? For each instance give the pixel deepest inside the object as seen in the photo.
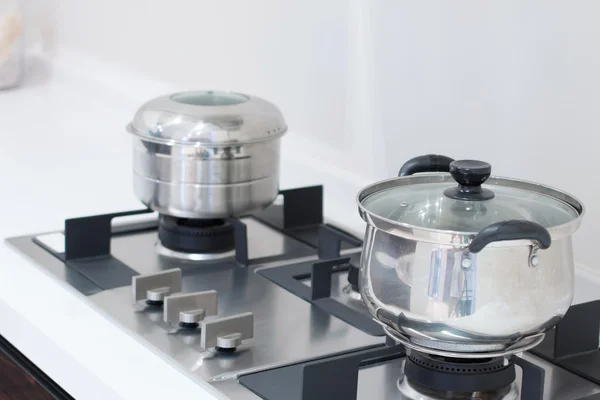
(375, 82)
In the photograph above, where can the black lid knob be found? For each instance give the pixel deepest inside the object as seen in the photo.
(470, 175)
(470, 172)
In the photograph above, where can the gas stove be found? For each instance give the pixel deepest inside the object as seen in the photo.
(266, 307)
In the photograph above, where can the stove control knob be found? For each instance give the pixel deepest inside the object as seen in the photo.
(188, 309)
(226, 334)
(155, 287)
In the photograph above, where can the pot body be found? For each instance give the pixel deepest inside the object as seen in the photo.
(204, 181)
(441, 296)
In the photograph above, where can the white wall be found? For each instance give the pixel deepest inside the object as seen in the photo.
(515, 83)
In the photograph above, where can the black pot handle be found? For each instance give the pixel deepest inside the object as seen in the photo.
(426, 163)
(511, 230)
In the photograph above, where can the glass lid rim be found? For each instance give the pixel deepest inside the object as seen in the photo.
(444, 177)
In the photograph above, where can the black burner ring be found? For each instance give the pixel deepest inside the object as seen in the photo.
(458, 375)
(189, 325)
(195, 235)
(226, 350)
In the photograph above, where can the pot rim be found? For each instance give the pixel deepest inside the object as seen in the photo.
(172, 142)
(452, 237)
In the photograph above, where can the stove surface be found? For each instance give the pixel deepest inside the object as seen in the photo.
(287, 329)
(312, 335)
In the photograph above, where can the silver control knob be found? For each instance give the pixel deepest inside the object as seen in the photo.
(154, 288)
(191, 316)
(225, 334)
(188, 309)
(157, 294)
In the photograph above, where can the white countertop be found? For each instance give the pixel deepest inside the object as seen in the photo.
(65, 153)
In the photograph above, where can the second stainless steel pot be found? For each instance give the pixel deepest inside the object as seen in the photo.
(207, 154)
(466, 270)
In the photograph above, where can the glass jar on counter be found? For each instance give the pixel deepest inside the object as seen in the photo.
(12, 54)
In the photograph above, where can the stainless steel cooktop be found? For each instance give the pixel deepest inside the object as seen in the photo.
(270, 328)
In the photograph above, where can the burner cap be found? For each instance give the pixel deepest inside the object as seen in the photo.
(457, 374)
(195, 235)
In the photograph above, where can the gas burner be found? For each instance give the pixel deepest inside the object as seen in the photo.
(180, 255)
(195, 239)
(434, 377)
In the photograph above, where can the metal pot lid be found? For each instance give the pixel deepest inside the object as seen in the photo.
(461, 202)
(213, 118)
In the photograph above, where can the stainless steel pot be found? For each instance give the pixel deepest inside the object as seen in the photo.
(206, 154)
(466, 270)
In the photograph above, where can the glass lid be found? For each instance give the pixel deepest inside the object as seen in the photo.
(207, 118)
(467, 204)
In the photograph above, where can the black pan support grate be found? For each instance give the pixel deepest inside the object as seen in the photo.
(337, 377)
(320, 273)
(325, 379)
(573, 343)
(90, 236)
(87, 239)
(301, 213)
